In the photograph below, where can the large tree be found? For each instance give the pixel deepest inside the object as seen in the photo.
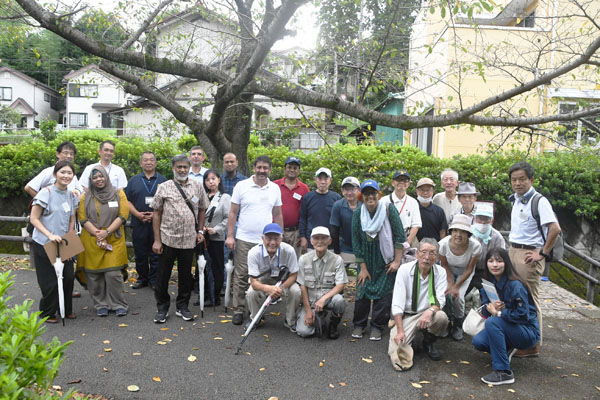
(257, 26)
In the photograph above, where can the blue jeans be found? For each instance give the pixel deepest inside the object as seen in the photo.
(500, 334)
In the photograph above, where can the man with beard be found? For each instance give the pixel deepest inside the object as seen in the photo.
(255, 202)
(179, 206)
(231, 176)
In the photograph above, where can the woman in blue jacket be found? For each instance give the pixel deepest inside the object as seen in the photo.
(511, 321)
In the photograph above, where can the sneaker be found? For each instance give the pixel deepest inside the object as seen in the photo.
(292, 328)
(499, 378)
(375, 334)
(238, 318)
(185, 314)
(161, 317)
(121, 312)
(357, 333)
(102, 312)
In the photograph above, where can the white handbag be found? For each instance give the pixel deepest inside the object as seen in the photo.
(474, 323)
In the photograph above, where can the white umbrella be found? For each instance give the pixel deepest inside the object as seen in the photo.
(58, 268)
(201, 265)
(229, 270)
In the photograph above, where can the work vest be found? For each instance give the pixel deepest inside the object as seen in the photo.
(318, 286)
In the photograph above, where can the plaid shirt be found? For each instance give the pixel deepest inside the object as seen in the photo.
(177, 226)
(229, 184)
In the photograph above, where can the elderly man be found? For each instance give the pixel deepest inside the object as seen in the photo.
(231, 176)
(316, 206)
(447, 199)
(531, 240)
(116, 174)
(255, 201)
(341, 219)
(197, 158)
(179, 206)
(292, 192)
(432, 216)
(64, 151)
(419, 296)
(264, 263)
(407, 206)
(467, 196)
(322, 278)
(140, 192)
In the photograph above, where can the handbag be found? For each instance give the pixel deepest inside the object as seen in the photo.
(474, 323)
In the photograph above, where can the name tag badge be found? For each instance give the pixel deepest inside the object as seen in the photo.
(149, 199)
(297, 196)
(194, 199)
(66, 207)
(113, 204)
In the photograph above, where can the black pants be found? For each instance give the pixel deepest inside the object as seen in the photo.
(166, 260)
(146, 261)
(46, 277)
(217, 265)
(381, 311)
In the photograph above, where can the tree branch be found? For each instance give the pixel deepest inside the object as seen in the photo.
(145, 25)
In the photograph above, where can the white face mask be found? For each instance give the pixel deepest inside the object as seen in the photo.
(424, 199)
(483, 228)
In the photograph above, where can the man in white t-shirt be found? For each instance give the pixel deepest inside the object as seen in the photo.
(255, 202)
(115, 173)
(64, 151)
(529, 250)
(407, 206)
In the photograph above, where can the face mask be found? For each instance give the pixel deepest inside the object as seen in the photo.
(483, 228)
(424, 199)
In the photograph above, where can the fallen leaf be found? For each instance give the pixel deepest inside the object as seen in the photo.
(137, 354)
(597, 388)
(74, 381)
(123, 325)
(161, 342)
(342, 383)
(156, 378)
(140, 337)
(56, 387)
(416, 385)
(465, 362)
(248, 353)
(423, 382)
(352, 340)
(175, 335)
(426, 394)
(574, 374)
(105, 369)
(224, 321)
(164, 329)
(83, 334)
(550, 326)
(195, 348)
(133, 388)
(106, 342)
(367, 360)
(267, 336)
(273, 398)
(108, 350)
(511, 390)
(261, 369)
(191, 358)
(331, 385)
(100, 355)
(321, 364)
(218, 338)
(455, 375)
(277, 314)
(448, 361)
(167, 339)
(569, 325)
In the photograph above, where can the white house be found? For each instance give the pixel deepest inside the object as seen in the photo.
(91, 93)
(31, 98)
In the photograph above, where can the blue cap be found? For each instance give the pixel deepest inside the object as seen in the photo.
(272, 228)
(292, 159)
(400, 173)
(369, 183)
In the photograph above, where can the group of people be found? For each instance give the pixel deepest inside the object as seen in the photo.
(416, 259)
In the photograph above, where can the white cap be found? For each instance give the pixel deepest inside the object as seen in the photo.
(351, 180)
(323, 170)
(320, 230)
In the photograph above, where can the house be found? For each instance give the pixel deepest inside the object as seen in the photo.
(90, 96)
(31, 98)
(454, 64)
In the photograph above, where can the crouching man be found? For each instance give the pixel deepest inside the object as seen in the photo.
(322, 278)
(417, 302)
(264, 263)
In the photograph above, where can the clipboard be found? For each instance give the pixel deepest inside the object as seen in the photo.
(69, 247)
(490, 290)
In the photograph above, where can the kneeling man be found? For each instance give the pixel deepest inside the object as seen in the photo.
(264, 262)
(322, 278)
(419, 296)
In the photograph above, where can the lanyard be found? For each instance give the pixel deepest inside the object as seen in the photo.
(278, 258)
(153, 185)
(403, 204)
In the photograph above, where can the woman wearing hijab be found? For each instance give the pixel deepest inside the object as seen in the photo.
(103, 211)
(377, 238)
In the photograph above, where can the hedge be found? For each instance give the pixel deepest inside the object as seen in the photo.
(571, 180)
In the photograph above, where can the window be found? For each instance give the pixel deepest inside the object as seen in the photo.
(422, 138)
(528, 21)
(582, 131)
(5, 93)
(54, 103)
(77, 119)
(108, 121)
(80, 90)
(46, 97)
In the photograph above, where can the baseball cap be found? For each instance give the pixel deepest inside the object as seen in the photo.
(320, 230)
(292, 160)
(272, 228)
(400, 173)
(369, 183)
(425, 181)
(484, 209)
(323, 170)
(351, 181)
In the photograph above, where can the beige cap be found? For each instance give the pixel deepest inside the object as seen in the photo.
(425, 181)
(320, 230)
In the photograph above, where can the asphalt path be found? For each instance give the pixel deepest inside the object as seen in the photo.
(109, 354)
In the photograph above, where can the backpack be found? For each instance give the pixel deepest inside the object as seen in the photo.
(557, 252)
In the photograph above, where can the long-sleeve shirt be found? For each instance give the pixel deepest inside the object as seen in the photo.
(403, 288)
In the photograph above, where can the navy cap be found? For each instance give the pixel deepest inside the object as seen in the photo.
(272, 228)
(400, 173)
(292, 159)
(369, 183)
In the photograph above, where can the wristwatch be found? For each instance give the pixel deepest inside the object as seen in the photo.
(546, 256)
(499, 314)
(107, 233)
(201, 232)
(431, 309)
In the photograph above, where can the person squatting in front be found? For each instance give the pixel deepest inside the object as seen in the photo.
(322, 278)
(419, 296)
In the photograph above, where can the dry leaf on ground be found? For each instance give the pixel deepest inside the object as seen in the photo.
(123, 325)
(106, 342)
(137, 354)
(108, 350)
(465, 362)
(342, 383)
(455, 375)
(511, 390)
(156, 378)
(133, 388)
(192, 358)
(217, 338)
(416, 385)
(423, 382)
(331, 385)
(261, 369)
(74, 381)
(367, 360)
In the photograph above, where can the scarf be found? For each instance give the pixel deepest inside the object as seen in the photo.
(417, 288)
(379, 224)
(485, 237)
(97, 210)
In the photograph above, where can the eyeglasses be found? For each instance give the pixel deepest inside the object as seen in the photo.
(67, 153)
(428, 253)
